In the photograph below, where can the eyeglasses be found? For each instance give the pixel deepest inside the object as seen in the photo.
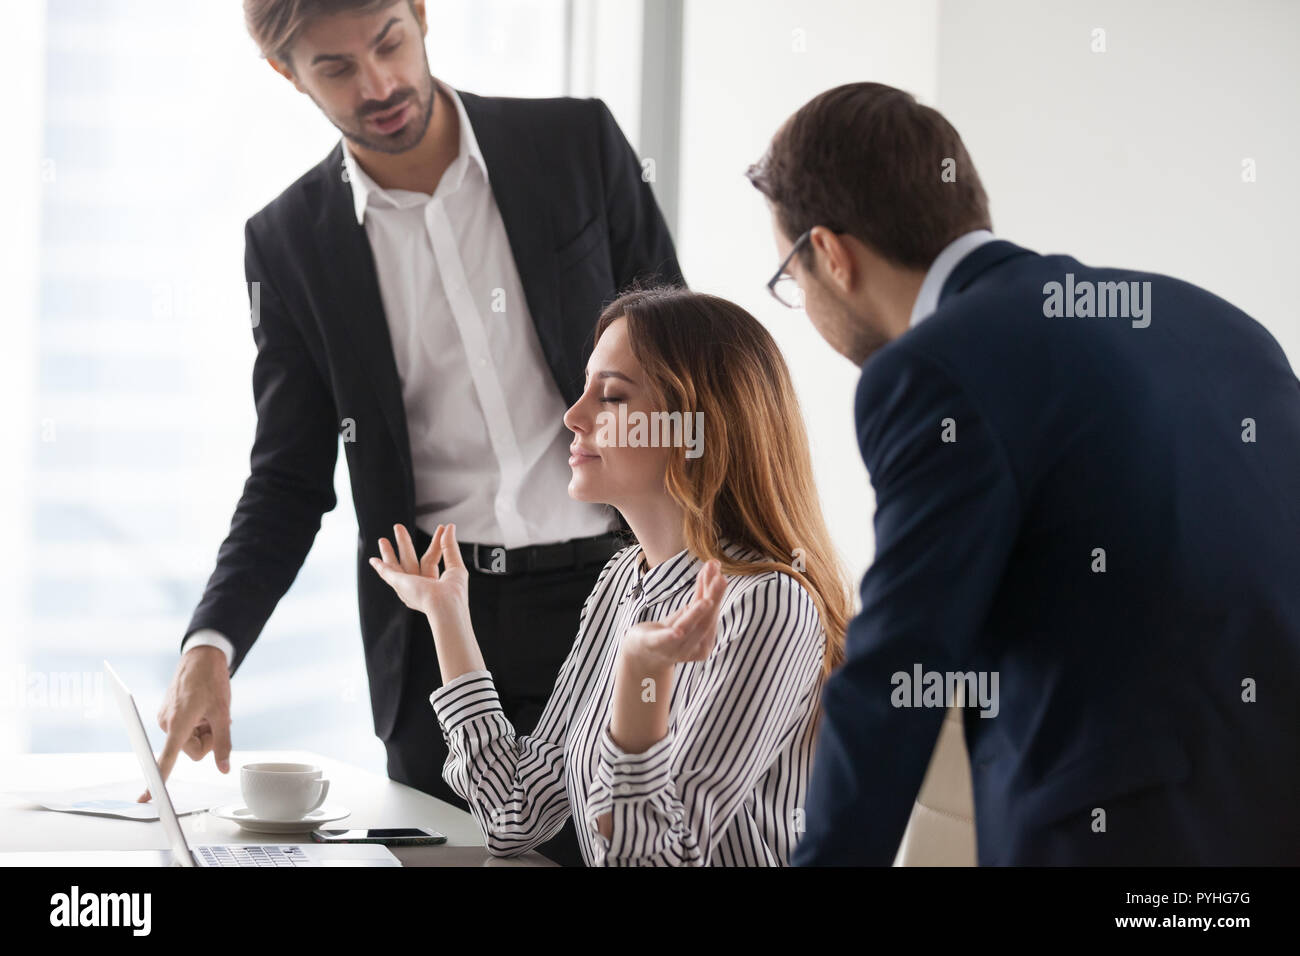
(783, 286)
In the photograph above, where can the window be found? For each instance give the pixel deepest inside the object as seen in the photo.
(161, 132)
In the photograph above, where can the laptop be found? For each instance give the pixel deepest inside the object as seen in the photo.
(234, 854)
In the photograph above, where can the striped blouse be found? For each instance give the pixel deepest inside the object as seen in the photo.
(725, 787)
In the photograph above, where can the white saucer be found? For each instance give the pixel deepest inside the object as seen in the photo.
(245, 818)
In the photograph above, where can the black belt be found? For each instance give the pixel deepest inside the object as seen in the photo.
(574, 553)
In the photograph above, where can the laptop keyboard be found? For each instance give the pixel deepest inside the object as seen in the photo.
(287, 855)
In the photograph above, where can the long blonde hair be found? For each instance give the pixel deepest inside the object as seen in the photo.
(754, 482)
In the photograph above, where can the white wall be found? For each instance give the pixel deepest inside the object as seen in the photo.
(1133, 156)
(1129, 157)
(747, 66)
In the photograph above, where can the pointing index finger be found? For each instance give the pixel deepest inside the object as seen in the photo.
(178, 732)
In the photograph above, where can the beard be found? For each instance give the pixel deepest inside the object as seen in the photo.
(399, 141)
(856, 337)
(867, 341)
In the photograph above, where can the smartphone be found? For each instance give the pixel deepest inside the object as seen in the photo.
(388, 836)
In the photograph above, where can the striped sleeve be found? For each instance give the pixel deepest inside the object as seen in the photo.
(514, 785)
(670, 805)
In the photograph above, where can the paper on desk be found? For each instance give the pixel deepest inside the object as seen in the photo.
(118, 799)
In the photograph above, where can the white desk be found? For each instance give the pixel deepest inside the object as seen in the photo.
(375, 801)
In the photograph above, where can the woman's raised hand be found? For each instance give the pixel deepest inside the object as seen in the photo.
(688, 634)
(417, 581)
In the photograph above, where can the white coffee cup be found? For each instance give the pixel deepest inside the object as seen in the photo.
(282, 791)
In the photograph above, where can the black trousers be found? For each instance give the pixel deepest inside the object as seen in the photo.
(525, 625)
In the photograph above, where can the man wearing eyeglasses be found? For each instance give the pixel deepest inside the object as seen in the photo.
(1086, 500)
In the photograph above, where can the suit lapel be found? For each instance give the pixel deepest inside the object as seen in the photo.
(353, 306)
(514, 171)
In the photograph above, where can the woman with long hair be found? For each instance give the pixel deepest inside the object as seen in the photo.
(680, 730)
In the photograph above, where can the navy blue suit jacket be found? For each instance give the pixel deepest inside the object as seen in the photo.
(1161, 690)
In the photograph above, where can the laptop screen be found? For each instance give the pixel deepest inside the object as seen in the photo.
(152, 775)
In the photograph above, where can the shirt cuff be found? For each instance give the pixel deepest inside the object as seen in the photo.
(634, 775)
(461, 699)
(207, 637)
(625, 777)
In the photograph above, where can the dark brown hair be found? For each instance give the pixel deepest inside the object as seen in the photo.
(754, 482)
(869, 160)
(275, 24)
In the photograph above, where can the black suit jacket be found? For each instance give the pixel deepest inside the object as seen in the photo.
(1120, 690)
(582, 225)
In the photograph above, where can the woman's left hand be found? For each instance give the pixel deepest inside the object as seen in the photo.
(685, 635)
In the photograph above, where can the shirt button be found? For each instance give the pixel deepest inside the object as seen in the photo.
(624, 788)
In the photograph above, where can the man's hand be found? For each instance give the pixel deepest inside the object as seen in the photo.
(196, 712)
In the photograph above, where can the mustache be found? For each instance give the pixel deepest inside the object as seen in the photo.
(397, 99)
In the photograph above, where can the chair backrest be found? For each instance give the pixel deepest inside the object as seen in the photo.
(941, 831)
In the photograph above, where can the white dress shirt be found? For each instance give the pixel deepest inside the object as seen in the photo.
(485, 418)
(927, 300)
(725, 787)
(489, 449)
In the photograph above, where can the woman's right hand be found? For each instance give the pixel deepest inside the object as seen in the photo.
(417, 581)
